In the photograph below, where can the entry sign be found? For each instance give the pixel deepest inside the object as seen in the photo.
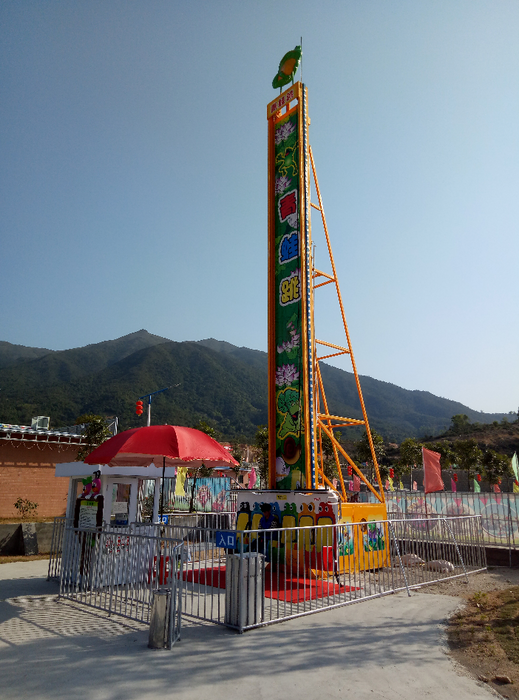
(226, 539)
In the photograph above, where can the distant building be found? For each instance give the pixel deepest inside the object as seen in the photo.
(28, 458)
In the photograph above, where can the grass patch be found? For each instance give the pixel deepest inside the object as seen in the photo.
(506, 625)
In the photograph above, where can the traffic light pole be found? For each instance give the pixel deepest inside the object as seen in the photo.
(148, 396)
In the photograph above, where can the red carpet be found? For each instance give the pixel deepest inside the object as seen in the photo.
(297, 589)
(278, 586)
(207, 577)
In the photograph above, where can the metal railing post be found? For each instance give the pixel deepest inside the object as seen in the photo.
(390, 525)
(447, 524)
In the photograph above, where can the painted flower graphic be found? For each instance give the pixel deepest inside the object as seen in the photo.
(282, 183)
(286, 374)
(284, 131)
(288, 345)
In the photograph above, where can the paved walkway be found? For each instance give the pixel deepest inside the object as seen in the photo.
(389, 648)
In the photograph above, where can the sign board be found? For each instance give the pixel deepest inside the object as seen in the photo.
(164, 519)
(87, 514)
(226, 539)
(119, 507)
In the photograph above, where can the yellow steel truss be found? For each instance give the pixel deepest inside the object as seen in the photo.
(325, 422)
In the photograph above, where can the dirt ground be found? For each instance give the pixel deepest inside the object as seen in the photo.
(20, 557)
(484, 633)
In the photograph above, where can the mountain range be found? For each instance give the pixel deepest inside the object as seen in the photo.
(210, 380)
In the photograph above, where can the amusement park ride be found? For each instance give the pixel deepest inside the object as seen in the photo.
(298, 409)
(299, 416)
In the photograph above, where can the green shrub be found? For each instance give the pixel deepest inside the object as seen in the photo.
(25, 507)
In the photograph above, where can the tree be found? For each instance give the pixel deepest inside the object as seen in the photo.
(460, 424)
(238, 456)
(384, 471)
(495, 466)
(468, 456)
(448, 455)
(363, 449)
(207, 429)
(410, 454)
(94, 432)
(262, 443)
(329, 463)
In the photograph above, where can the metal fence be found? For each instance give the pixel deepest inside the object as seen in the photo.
(56, 545)
(176, 528)
(279, 574)
(119, 572)
(269, 575)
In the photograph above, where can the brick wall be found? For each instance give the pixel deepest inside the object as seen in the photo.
(29, 473)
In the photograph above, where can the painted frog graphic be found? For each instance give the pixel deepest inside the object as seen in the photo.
(288, 403)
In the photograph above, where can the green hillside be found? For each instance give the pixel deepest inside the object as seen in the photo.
(11, 354)
(217, 382)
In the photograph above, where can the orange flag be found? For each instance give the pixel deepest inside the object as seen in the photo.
(432, 471)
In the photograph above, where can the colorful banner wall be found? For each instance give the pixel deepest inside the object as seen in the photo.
(499, 512)
(211, 495)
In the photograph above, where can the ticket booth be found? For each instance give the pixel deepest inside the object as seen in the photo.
(121, 489)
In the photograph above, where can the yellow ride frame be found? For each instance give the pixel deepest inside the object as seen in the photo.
(325, 422)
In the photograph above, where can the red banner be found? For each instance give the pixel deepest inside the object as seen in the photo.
(432, 471)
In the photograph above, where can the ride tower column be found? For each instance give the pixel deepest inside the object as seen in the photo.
(291, 417)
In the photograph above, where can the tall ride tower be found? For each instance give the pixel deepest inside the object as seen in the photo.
(299, 417)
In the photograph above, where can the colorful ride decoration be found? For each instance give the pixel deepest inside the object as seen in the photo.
(359, 542)
(287, 67)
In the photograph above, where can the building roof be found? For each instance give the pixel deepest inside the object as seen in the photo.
(24, 433)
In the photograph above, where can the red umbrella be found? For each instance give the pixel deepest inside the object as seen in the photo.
(162, 445)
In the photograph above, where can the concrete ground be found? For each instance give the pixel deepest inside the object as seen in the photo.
(391, 648)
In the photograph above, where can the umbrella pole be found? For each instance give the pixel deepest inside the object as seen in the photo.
(162, 489)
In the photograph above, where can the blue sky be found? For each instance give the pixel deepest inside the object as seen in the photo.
(134, 166)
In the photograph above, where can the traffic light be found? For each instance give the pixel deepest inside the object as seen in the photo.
(455, 477)
(350, 470)
(391, 473)
(139, 408)
(478, 477)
